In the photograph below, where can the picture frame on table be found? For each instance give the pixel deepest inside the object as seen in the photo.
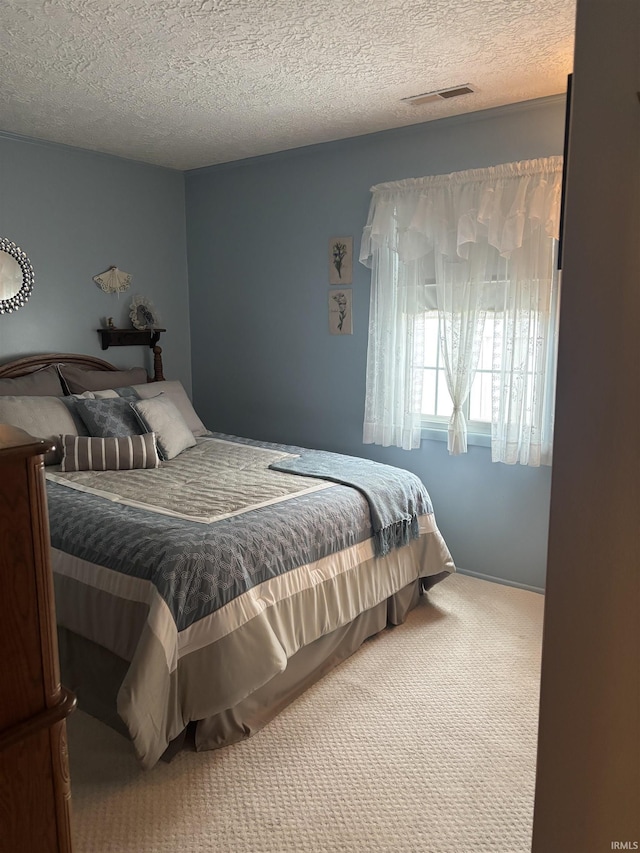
(142, 314)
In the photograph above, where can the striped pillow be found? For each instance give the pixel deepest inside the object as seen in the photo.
(86, 453)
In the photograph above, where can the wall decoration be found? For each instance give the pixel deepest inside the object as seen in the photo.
(143, 314)
(341, 260)
(340, 314)
(113, 280)
(16, 276)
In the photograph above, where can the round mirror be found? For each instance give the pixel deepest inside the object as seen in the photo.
(16, 277)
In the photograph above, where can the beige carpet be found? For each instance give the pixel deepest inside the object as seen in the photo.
(424, 740)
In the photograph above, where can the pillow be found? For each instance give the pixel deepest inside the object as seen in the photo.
(41, 383)
(77, 379)
(174, 390)
(70, 402)
(112, 393)
(161, 416)
(42, 417)
(108, 418)
(87, 453)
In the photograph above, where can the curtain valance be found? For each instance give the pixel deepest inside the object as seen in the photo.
(477, 248)
(504, 205)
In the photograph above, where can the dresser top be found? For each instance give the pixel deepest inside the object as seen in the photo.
(14, 441)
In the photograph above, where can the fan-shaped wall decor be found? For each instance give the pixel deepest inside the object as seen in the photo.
(113, 280)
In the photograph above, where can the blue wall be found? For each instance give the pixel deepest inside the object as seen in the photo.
(263, 361)
(75, 213)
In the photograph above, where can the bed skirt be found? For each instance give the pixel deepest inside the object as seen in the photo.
(95, 674)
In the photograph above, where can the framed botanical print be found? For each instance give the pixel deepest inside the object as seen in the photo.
(341, 260)
(340, 313)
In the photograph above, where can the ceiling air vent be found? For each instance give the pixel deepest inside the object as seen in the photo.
(439, 95)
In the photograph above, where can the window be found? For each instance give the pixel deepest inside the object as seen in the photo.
(436, 406)
(463, 313)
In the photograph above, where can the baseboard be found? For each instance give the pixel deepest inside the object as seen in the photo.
(502, 581)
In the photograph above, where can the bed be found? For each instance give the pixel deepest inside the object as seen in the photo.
(203, 594)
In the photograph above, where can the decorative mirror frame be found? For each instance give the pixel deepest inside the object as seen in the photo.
(28, 277)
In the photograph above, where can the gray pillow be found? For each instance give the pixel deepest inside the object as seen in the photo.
(161, 416)
(109, 418)
(78, 379)
(42, 417)
(171, 388)
(41, 383)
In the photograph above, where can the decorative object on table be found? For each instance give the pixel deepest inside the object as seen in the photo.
(341, 260)
(110, 323)
(113, 280)
(16, 277)
(340, 315)
(143, 314)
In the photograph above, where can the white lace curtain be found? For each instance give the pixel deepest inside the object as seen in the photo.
(469, 244)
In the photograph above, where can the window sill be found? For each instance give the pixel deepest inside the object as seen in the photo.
(442, 434)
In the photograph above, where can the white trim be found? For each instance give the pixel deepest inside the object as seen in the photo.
(501, 581)
(436, 434)
(200, 519)
(241, 609)
(254, 601)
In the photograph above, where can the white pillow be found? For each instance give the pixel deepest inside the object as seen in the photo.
(161, 416)
(174, 390)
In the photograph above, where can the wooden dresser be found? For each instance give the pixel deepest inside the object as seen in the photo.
(34, 776)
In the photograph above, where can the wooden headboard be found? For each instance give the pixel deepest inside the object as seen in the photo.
(23, 366)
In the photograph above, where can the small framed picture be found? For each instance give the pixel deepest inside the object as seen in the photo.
(341, 260)
(340, 314)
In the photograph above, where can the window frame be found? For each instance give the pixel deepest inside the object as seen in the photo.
(437, 426)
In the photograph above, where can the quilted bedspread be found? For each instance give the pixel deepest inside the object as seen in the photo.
(208, 573)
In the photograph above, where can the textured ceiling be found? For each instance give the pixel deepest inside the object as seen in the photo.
(188, 83)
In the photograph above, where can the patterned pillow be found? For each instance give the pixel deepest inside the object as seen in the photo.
(70, 402)
(109, 418)
(86, 453)
(161, 416)
(171, 388)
